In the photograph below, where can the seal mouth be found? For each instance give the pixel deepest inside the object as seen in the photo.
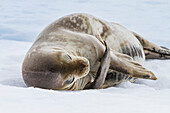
(72, 86)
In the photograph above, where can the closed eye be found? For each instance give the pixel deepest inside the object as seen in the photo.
(69, 80)
(70, 57)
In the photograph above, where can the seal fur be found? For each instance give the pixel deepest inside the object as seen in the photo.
(69, 52)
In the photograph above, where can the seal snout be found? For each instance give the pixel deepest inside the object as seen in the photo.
(42, 70)
(46, 80)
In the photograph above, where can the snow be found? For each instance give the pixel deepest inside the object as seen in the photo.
(21, 21)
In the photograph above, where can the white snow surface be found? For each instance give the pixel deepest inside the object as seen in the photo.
(22, 20)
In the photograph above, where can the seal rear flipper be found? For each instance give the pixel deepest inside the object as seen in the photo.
(122, 63)
(153, 51)
(103, 69)
(154, 55)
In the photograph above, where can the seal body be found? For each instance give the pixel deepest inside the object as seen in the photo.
(71, 54)
(117, 37)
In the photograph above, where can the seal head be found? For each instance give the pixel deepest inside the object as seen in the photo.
(53, 70)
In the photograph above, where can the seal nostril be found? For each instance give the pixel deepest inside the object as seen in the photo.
(52, 70)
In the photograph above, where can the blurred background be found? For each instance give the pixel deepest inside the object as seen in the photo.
(23, 20)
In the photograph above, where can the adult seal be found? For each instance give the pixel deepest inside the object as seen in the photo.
(80, 51)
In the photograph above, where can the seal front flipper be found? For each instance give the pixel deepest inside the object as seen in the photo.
(153, 51)
(103, 69)
(122, 63)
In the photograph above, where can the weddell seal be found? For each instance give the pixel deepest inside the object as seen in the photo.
(80, 51)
